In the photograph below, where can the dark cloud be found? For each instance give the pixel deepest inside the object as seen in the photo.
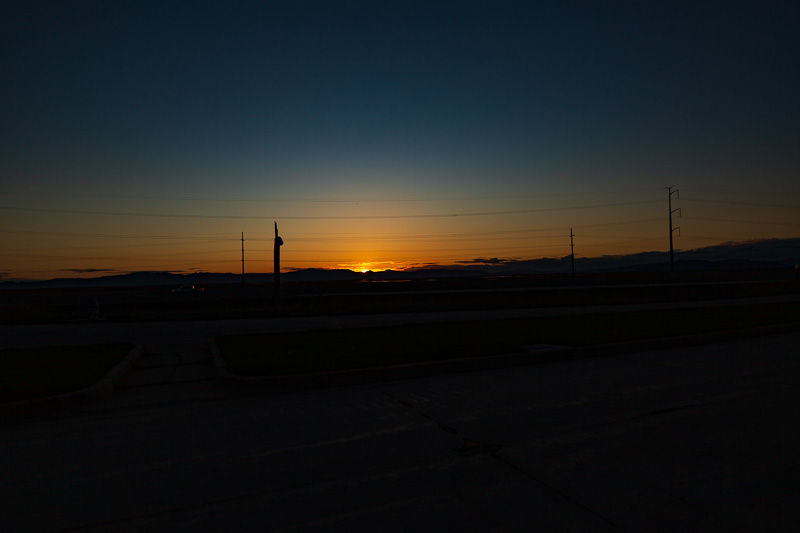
(151, 271)
(488, 261)
(429, 264)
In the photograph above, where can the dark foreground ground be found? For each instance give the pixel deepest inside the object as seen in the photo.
(354, 297)
(688, 439)
(691, 438)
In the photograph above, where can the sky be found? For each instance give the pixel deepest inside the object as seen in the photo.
(394, 134)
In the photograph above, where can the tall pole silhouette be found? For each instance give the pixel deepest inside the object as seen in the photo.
(242, 261)
(671, 229)
(572, 247)
(276, 275)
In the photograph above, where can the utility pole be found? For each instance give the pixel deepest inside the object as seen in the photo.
(276, 275)
(242, 261)
(572, 247)
(671, 229)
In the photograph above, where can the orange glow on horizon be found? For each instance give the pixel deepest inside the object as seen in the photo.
(60, 244)
(372, 266)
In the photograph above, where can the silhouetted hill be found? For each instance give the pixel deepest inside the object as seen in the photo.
(139, 279)
(769, 253)
(321, 274)
(425, 273)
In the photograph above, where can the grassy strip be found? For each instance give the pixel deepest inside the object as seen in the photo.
(27, 373)
(330, 350)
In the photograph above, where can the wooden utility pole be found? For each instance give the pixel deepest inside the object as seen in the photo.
(671, 229)
(242, 261)
(276, 275)
(572, 247)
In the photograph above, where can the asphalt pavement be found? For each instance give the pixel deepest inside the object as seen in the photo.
(696, 438)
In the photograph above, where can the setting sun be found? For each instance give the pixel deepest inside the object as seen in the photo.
(371, 266)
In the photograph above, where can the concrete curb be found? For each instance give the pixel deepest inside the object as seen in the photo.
(101, 389)
(452, 366)
(104, 387)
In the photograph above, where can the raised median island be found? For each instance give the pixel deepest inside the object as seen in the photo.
(31, 373)
(334, 350)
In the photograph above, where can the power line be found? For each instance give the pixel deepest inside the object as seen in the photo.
(750, 193)
(207, 238)
(204, 237)
(360, 237)
(747, 204)
(609, 224)
(405, 250)
(125, 246)
(122, 246)
(621, 243)
(320, 200)
(427, 239)
(728, 220)
(323, 217)
(25, 255)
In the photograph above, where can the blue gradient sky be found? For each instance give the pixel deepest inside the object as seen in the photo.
(185, 115)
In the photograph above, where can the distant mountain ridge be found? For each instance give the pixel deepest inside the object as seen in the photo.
(766, 253)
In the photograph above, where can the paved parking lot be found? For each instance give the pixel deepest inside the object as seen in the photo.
(699, 439)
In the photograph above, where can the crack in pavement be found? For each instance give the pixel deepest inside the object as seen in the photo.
(471, 447)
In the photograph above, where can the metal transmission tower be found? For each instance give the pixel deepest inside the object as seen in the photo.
(670, 192)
